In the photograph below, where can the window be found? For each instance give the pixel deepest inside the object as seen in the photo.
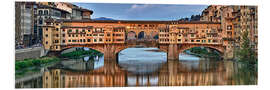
(192, 35)
(63, 35)
(63, 41)
(46, 12)
(40, 21)
(77, 31)
(69, 30)
(95, 40)
(192, 40)
(63, 30)
(100, 40)
(229, 27)
(40, 12)
(69, 40)
(88, 40)
(198, 40)
(57, 35)
(56, 41)
(46, 42)
(46, 29)
(57, 29)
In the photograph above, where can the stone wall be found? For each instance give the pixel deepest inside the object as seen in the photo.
(36, 52)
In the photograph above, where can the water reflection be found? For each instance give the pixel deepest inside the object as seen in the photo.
(145, 72)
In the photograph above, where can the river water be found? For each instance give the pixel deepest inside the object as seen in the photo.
(140, 67)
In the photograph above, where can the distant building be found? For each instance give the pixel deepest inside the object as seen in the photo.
(46, 12)
(211, 13)
(81, 13)
(24, 23)
(234, 20)
(64, 6)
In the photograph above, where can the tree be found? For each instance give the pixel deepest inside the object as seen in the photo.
(246, 53)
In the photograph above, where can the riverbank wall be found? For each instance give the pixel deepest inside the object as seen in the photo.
(35, 52)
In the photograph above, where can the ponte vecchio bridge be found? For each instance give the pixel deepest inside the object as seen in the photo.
(112, 36)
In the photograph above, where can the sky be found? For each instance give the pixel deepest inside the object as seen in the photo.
(142, 11)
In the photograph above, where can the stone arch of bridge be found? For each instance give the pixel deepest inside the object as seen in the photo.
(99, 48)
(218, 48)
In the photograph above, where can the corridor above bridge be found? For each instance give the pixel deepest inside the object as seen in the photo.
(120, 34)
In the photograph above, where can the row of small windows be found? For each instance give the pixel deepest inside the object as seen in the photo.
(83, 35)
(151, 25)
(43, 12)
(179, 40)
(119, 30)
(84, 40)
(164, 35)
(163, 30)
(182, 31)
(83, 30)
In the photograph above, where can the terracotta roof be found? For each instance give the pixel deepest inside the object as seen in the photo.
(77, 27)
(137, 21)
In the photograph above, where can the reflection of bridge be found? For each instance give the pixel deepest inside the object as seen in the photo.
(110, 37)
(172, 73)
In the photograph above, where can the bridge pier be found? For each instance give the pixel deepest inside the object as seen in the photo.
(173, 52)
(110, 52)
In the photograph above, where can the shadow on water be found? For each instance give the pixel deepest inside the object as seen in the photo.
(143, 71)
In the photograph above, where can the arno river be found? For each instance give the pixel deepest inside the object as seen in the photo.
(139, 67)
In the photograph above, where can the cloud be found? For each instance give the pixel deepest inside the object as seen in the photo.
(138, 7)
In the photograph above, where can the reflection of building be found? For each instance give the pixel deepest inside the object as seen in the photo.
(176, 73)
(107, 76)
(172, 73)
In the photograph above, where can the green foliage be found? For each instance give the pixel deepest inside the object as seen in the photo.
(245, 53)
(34, 62)
(80, 53)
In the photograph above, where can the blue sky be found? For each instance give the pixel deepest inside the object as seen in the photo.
(142, 11)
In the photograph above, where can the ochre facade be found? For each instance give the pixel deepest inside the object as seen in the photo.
(110, 37)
